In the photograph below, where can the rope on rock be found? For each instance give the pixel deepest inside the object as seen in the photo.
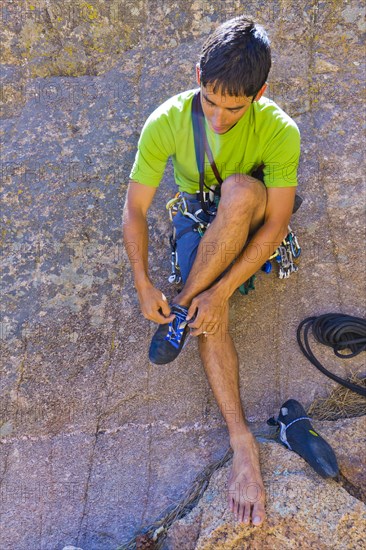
(338, 331)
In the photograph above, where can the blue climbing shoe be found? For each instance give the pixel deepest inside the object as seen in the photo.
(298, 435)
(169, 339)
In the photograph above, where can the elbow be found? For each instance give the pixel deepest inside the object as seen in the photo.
(125, 217)
(278, 231)
(133, 220)
(283, 232)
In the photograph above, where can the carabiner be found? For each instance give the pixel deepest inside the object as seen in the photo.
(294, 245)
(172, 206)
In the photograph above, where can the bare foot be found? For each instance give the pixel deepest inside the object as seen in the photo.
(246, 494)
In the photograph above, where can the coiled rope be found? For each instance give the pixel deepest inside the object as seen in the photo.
(339, 332)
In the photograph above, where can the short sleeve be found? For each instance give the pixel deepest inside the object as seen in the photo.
(281, 157)
(156, 144)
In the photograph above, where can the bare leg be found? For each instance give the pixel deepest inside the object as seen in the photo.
(240, 211)
(246, 494)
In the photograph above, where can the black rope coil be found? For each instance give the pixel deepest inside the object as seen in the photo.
(339, 332)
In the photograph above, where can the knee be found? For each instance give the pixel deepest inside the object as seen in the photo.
(242, 189)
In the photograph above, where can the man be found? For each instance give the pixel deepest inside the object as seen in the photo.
(245, 131)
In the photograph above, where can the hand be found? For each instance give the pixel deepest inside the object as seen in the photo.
(154, 305)
(211, 306)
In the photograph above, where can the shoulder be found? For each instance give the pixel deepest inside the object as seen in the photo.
(270, 115)
(164, 123)
(174, 107)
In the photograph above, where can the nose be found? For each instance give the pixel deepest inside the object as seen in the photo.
(218, 118)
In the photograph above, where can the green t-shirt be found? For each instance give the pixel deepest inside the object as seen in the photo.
(264, 135)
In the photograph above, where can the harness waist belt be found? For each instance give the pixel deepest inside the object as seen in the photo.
(196, 196)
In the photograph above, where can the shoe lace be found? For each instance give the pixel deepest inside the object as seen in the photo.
(177, 326)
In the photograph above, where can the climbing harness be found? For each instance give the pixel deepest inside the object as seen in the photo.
(287, 252)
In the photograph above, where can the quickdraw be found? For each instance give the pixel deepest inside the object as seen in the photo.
(285, 255)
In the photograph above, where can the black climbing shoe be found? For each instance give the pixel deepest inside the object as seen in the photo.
(168, 340)
(298, 435)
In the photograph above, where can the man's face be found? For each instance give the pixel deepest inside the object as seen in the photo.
(222, 112)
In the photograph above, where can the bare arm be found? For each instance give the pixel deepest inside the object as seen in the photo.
(135, 232)
(153, 303)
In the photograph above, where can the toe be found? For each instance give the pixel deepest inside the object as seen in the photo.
(238, 511)
(258, 514)
(240, 516)
(246, 517)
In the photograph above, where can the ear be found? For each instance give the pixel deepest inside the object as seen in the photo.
(198, 74)
(261, 92)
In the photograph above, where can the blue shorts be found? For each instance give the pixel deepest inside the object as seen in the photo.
(187, 235)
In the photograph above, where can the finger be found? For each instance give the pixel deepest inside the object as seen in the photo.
(214, 330)
(197, 320)
(196, 329)
(202, 329)
(210, 328)
(201, 332)
(162, 319)
(196, 324)
(192, 310)
(164, 306)
(197, 332)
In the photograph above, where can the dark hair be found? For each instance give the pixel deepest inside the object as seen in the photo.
(236, 58)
